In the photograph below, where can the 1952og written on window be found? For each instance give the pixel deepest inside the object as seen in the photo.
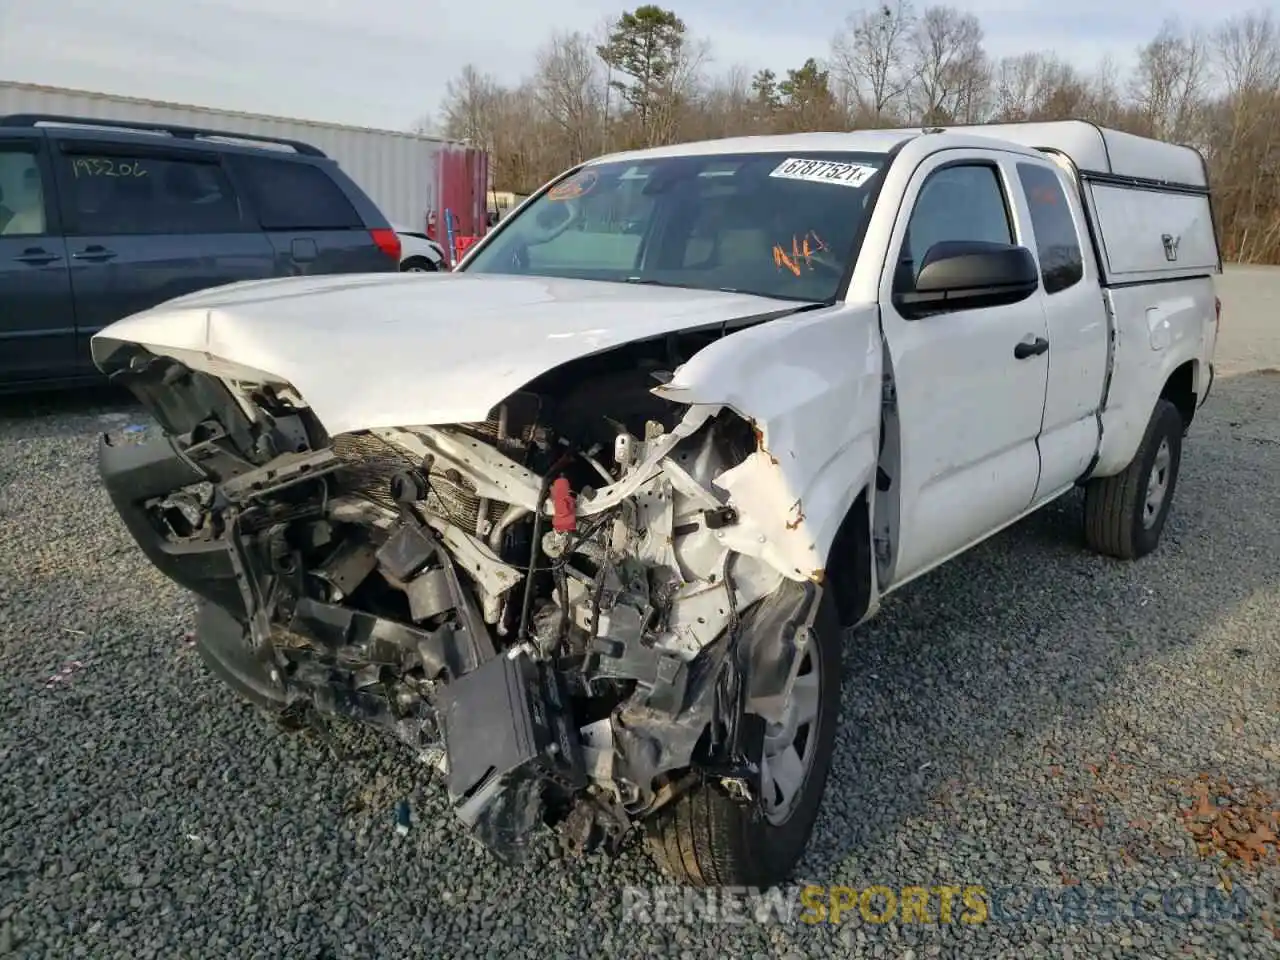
(108, 193)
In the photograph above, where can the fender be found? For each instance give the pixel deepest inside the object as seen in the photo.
(810, 385)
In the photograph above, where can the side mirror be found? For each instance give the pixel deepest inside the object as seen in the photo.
(968, 274)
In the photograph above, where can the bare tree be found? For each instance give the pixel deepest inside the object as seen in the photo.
(520, 138)
(727, 108)
(1039, 86)
(1105, 104)
(1247, 63)
(871, 64)
(569, 87)
(1017, 86)
(469, 105)
(972, 79)
(1169, 80)
(1245, 140)
(1247, 52)
(677, 94)
(950, 66)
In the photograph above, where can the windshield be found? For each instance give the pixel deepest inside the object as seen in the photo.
(778, 225)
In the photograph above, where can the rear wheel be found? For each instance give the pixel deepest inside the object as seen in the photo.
(707, 839)
(418, 265)
(1124, 515)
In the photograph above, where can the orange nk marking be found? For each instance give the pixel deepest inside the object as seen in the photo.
(802, 250)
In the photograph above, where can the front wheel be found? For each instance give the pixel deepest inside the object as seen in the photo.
(706, 839)
(1124, 515)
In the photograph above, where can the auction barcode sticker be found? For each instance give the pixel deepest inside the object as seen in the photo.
(824, 171)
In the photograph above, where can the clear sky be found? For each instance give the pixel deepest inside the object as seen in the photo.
(384, 63)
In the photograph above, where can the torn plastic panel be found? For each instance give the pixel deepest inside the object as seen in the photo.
(571, 625)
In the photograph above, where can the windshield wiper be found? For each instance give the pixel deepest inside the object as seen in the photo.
(645, 281)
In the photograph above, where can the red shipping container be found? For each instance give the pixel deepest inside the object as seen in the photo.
(461, 178)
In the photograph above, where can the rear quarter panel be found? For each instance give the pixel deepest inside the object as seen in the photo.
(330, 251)
(310, 230)
(337, 251)
(1159, 327)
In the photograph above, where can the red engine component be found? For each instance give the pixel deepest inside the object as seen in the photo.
(565, 517)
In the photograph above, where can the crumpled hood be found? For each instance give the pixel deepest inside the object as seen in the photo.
(383, 350)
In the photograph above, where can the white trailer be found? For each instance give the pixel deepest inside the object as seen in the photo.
(399, 171)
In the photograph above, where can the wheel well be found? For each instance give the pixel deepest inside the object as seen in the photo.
(848, 574)
(417, 258)
(1180, 390)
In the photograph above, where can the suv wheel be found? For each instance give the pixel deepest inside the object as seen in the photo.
(418, 265)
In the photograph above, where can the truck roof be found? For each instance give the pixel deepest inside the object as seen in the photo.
(1091, 148)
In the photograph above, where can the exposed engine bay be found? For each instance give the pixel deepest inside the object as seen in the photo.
(545, 606)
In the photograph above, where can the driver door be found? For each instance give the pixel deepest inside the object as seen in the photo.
(969, 410)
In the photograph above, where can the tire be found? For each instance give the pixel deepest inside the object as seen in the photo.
(1118, 518)
(706, 839)
(418, 265)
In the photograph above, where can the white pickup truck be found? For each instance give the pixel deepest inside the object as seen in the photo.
(581, 522)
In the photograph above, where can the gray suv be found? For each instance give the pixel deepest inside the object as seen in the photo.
(100, 219)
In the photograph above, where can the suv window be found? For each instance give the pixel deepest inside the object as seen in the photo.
(124, 194)
(1057, 242)
(21, 194)
(964, 202)
(295, 196)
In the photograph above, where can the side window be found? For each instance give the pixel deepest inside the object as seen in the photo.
(963, 202)
(294, 196)
(1057, 242)
(21, 194)
(117, 194)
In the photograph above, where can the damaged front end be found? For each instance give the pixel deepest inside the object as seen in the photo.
(555, 607)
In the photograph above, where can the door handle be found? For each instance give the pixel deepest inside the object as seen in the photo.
(36, 256)
(95, 253)
(1030, 348)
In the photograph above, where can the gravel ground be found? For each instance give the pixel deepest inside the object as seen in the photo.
(1028, 716)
